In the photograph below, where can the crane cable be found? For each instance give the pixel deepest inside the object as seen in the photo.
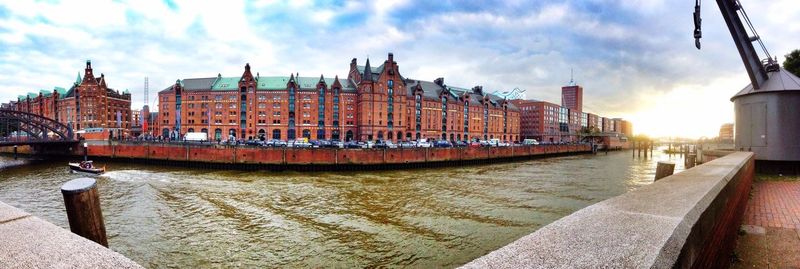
(752, 29)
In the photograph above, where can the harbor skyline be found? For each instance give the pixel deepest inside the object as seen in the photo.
(625, 70)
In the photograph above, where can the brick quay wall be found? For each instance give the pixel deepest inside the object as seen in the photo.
(249, 157)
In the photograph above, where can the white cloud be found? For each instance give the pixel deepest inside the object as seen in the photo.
(622, 51)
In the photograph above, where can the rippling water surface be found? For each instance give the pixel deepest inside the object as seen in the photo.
(164, 216)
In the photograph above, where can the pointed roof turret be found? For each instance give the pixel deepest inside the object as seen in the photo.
(79, 79)
(367, 72)
(321, 78)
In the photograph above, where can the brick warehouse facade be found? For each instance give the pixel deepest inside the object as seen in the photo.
(370, 104)
(89, 103)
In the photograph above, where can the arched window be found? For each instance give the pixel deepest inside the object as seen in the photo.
(218, 134)
(380, 135)
(452, 137)
(191, 130)
(276, 134)
(204, 130)
(321, 134)
(389, 135)
(306, 133)
(399, 135)
(262, 134)
(165, 132)
(349, 135)
(335, 135)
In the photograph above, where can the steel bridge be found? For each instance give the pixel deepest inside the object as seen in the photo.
(23, 128)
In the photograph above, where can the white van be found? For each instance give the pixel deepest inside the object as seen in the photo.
(195, 137)
(530, 142)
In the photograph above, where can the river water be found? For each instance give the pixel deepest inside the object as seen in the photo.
(163, 217)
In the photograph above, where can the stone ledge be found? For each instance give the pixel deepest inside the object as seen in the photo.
(647, 227)
(30, 242)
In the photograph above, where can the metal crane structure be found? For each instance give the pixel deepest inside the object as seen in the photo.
(767, 122)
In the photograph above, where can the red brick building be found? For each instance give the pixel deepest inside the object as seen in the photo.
(372, 103)
(548, 122)
(88, 103)
(540, 120)
(572, 97)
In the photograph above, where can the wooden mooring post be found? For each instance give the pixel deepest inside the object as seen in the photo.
(664, 169)
(691, 159)
(83, 209)
(645, 148)
(15, 152)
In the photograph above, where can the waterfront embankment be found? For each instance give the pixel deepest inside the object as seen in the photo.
(315, 159)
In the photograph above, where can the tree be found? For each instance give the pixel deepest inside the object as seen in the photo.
(792, 62)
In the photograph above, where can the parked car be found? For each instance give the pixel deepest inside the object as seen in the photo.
(422, 143)
(391, 145)
(460, 144)
(336, 144)
(407, 144)
(475, 144)
(352, 145)
(442, 144)
(380, 145)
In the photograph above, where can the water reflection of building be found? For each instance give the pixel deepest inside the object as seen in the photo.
(372, 103)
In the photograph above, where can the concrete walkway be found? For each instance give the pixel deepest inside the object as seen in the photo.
(770, 236)
(30, 242)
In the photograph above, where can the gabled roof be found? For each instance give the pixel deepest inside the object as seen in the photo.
(223, 84)
(199, 83)
(431, 91)
(781, 80)
(376, 71)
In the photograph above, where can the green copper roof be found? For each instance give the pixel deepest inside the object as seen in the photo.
(78, 81)
(61, 91)
(21, 97)
(32, 95)
(126, 91)
(226, 84)
(272, 83)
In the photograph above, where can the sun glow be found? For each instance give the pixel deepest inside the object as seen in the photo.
(686, 111)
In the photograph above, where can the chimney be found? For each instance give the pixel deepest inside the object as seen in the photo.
(391, 57)
(439, 81)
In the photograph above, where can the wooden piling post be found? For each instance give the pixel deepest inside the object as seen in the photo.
(691, 159)
(633, 152)
(645, 149)
(639, 147)
(83, 209)
(664, 169)
(15, 152)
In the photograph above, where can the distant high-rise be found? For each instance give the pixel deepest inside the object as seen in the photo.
(572, 96)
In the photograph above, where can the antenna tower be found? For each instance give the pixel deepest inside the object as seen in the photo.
(146, 91)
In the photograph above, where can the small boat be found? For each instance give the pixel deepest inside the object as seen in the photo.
(86, 167)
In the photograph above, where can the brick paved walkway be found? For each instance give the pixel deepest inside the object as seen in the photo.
(774, 204)
(771, 227)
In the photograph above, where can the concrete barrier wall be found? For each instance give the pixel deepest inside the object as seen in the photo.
(289, 156)
(687, 220)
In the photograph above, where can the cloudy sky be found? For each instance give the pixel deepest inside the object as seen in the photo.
(635, 58)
